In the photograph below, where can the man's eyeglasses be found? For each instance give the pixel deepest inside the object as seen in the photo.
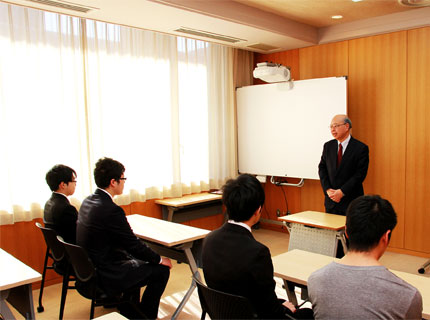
(336, 125)
(123, 179)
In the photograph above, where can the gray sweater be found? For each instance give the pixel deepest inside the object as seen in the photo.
(338, 291)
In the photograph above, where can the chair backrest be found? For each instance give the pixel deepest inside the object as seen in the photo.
(57, 249)
(222, 305)
(78, 257)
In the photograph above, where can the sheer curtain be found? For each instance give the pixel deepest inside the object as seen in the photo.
(73, 90)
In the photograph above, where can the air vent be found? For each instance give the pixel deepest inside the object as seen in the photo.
(207, 34)
(64, 5)
(415, 3)
(263, 47)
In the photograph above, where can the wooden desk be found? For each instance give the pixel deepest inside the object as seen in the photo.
(15, 286)
(294, 268)
(191, 207)
(317, 232)
(173, 240)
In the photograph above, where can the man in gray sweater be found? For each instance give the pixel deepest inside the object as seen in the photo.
(358, 286)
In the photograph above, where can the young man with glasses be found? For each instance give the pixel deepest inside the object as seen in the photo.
(58, 213)
(123, 262)
(343, 166)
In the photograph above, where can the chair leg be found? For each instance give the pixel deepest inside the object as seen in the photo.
(40, 308)
(93, 304)
(64, 289)
(203, 316)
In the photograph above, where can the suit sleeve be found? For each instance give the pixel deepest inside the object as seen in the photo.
(126, 239)
(360, 173)
(323, 171)
(270, 307)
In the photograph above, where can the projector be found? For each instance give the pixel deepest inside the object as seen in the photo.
(271, 72)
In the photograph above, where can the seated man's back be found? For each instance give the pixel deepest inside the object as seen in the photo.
(358, 286)
(234, 262)
(340, 291)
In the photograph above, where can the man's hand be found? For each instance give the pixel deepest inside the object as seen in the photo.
(166, 262)
(290, 306)
(335, 195)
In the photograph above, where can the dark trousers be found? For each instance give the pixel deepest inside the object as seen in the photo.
(154, 278)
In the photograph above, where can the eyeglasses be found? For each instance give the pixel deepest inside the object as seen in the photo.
(336, 125)
(74, 181)
(123, 179)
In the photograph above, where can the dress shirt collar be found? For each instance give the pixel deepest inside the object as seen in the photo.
(344, 143)
(240, 224)
(106, 192)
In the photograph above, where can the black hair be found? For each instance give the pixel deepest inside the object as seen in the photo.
(242, 197)
(367, 219)
(107, 169)
(59, 173)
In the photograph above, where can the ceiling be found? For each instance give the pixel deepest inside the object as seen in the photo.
(258, 25)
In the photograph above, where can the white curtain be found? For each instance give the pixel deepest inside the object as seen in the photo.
(73, 91)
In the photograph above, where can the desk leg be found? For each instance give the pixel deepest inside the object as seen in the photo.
(289, 287)
(194, 271)
(4, 308)
(21, 298)
(341, 236)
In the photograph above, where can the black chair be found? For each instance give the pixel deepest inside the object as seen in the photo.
(87, 284)
(221, 305)
(55, 251)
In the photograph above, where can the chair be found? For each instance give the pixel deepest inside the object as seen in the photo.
(86, 279)
(55, 251)
(221, 305)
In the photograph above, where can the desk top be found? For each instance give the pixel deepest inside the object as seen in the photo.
(317, 219)
(164, 232)
(189, 200)
(14, 273)
(297, 265)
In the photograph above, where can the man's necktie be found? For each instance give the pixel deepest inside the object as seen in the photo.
(339, 155)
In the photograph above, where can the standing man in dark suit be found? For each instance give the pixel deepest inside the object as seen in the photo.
(59, 214)
(234, 262)
(343, 166)
(123, 261)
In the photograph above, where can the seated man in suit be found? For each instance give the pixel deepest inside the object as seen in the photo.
(358, 286)
(234, 262)
(59, 214)
(123, 262)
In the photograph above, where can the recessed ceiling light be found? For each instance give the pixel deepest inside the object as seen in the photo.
(338, 16)
(356, 0)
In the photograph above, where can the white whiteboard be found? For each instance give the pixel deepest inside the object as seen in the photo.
(282, 127)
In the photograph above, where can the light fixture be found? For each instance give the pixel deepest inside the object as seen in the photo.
(338, 16)
(271, 72)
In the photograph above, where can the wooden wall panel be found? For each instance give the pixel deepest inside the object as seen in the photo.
(417, 221)
(328, 60)
(377, 108)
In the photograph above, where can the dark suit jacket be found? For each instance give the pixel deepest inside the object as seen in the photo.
(61, 216)
(104, 232)
(234, 262)
(348, 177)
